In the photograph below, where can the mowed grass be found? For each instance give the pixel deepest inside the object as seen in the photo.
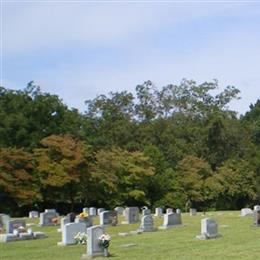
(239, 241)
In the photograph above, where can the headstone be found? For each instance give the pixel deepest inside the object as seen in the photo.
(85, 210)
(4, 218)
(50, 210)
(100, 210)
(158, 212)
(33, 214)
(71, 216)
(147, 224)
(193, 212)
(257, 207)
(119, 210)
(131, 215)
(69, 231)
(94, 248)
(92, 211)
(15, 224)
(178, 211)
(169, 210)
(108, 217)
(47, 217)
(146, 212)
(171, 220)
(86, 220)
(209, 229)
(63, 222)
(246, 212)
(256, 214)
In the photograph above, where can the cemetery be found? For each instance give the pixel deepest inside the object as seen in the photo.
(210, 235)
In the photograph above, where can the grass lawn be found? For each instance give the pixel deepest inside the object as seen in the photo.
(239, 241)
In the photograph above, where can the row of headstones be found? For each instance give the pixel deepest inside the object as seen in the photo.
(16, 230)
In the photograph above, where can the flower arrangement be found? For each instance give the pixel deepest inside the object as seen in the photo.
(104, 240)
(81, 238)
(82, 215)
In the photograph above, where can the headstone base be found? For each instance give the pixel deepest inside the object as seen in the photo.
(85, 256)
(171, 226)
(205, 237)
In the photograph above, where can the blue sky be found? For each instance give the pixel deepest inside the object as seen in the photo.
(80, 49)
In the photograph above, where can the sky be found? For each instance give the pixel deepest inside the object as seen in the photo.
(81, 49)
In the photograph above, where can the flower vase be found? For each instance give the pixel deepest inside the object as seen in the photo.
(106, 254)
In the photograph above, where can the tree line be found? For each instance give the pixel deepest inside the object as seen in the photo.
(177, 146)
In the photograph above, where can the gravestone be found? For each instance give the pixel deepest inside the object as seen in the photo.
(4, 218)
(33, 214)
(158, 212)
(146, 212)
(246, 212)
(69, 231)
(193, 212)
(63, 222)
(86, 220)
(257, 207)
(14, 224)
(131, 215)
(71, 216)
(178, 211)
(169, 210)
(147, 224)
(92, 211)
(108, 217)
(85, 210)
(100, 210)
(94, 248)
(119, 210)
(256, 214)
(46, 218)
(171, 220)
(209, 229)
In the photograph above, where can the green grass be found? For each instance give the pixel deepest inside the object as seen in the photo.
(239, 241)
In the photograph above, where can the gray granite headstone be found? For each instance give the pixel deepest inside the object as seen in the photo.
(14, 224)
(85, 210)
(46, 218)
(171, 220)
(147, 224)
(158, 212)
(146, 212)
(193, 212)
(169, 210)
(257, 207)
(86, 220)
(108, 217)
(209, 229)
(256, 214)
(69, 231)
(131, 215)
(94, 248)
(119, 210)
(245, 212)
(178, 211)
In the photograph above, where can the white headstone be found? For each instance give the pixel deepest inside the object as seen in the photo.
(119, 210)
(246, 212)
(100, 210)
(158, 212)
(147, 224)
(169, 210)
(70, 230)
(93, 246)
(92, 211)
(33, 214)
